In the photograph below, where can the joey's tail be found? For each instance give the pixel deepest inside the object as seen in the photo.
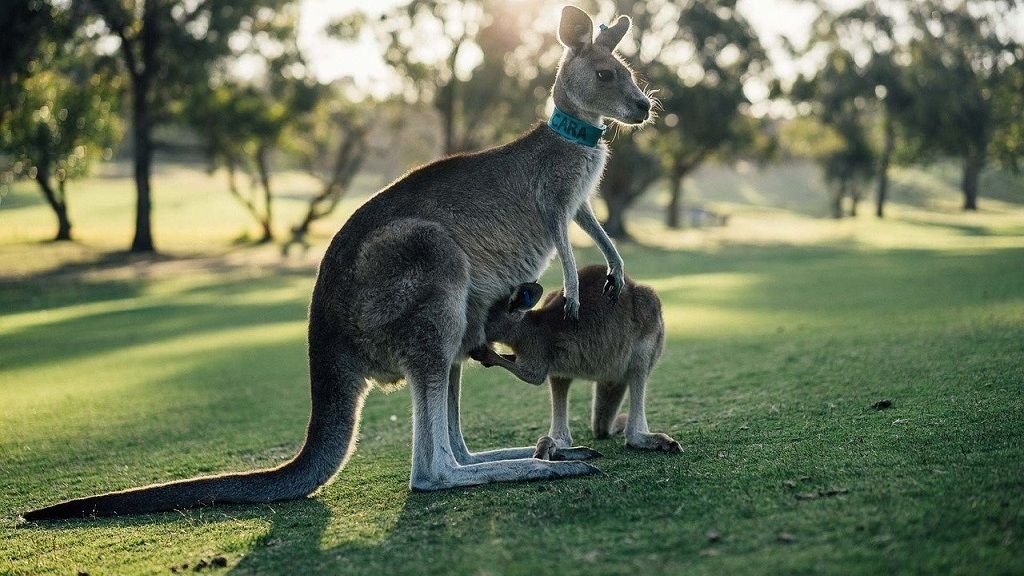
(338, 389)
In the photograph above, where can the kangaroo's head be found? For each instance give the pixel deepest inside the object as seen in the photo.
(592, 81)
(507, 313)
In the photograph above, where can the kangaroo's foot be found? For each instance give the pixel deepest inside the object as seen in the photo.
(501, 471)
(548, 449)
(653, 441)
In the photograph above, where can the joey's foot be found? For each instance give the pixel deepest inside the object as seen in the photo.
(547, 449)
(618, 425)
(571, 308)
(613, 285)
(576, 453)
(654, 441)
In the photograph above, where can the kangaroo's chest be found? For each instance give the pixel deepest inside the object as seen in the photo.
(526, 244)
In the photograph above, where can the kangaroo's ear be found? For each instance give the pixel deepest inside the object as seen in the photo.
(609, 37)
(525, 296)
(576, 31)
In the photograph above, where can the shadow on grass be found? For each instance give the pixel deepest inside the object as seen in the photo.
(369, 523)
(966, 229)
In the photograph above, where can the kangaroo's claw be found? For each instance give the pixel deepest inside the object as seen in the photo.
(613, 286)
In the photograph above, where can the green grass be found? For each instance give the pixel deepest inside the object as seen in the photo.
(782, 332)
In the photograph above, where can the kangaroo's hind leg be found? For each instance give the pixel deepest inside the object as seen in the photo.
(458, 443)
(419, 318)
(434, 464)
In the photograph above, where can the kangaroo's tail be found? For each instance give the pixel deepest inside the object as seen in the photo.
(338, 390)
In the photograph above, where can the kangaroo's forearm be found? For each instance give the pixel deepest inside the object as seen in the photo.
(570, 278)
(586, 220)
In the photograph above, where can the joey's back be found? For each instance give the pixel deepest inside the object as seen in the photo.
(605, 339)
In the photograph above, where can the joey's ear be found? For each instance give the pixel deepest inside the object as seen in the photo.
(576, 30)
(611, 36)
(525, 296)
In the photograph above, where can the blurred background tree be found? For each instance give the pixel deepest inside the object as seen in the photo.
(332, 149)
(167, 48)
(882, 83)
(61, 109)
(962, 59)
(244, 120)
(865, 67)
(699, 55)
(838, 97)
(485, 69)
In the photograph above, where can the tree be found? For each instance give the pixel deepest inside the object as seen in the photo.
(850, 166)
(166, 47)
(333, 148)
(698, 55)
(25, 27)
(836, 95)
(1007, 146)
(880, 77)
(703, 94)
(243, 121)
(631, 169)
(484, 72)
(63, 115)
(962, 55)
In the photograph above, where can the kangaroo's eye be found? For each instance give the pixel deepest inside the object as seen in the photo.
(604, 75)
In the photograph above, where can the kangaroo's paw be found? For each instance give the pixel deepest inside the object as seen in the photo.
(654, 441)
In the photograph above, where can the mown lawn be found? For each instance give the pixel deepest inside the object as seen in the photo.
(122, 373)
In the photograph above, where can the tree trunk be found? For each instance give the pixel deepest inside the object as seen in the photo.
(447, 102)
(973, 163)
(267, 221)
(837, 199)
(63, 223)
(675, 200)
(883, 166)
(143, 239)
(854, 199)
(142, 69)
(348, 160)
(57, 203)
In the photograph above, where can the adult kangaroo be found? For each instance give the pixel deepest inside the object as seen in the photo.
(405, 286)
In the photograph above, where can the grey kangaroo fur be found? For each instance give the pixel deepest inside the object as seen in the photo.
(614, 344)
(404, 289)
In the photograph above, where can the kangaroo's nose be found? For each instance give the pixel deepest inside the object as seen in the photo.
(643, 108)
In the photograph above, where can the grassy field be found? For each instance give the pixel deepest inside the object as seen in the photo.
(783, 331)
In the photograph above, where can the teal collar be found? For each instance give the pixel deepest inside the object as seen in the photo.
(575, 130)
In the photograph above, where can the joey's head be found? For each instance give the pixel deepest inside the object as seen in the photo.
(592, 81)
(506, 314)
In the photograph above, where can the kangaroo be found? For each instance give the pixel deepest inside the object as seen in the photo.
(404, 288)
(614, 344)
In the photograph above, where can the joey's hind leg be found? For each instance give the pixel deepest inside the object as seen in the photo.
(637, 433)
(607, 400)
(559, 430)
(557, 445)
